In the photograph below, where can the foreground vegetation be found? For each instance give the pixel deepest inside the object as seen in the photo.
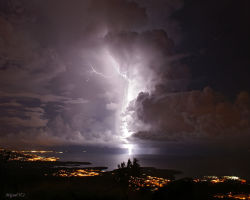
(35, 181)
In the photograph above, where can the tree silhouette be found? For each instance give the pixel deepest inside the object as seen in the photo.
(126, 171)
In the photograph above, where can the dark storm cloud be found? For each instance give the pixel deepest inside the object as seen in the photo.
(59, 80)
(147, 55)
(192, 115)
(160, 13)
(49, 94)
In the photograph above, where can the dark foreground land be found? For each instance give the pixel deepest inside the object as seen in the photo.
(37, 181)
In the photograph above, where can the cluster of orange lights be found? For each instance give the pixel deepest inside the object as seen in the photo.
(233, 196)
(35, 158)
(154, 183)
(77, 173)
(24, 156)
(41, 158)
(215, 179)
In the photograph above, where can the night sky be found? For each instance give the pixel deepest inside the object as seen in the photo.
(124, 73)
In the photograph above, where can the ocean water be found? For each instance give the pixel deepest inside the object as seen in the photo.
(190, 166)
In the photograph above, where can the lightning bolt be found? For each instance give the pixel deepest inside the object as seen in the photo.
(94, 71)
(128, 96)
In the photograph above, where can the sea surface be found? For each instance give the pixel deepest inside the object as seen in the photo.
(191, 166)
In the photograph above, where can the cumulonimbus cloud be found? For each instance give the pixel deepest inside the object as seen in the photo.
(68, 69)
(192, 115)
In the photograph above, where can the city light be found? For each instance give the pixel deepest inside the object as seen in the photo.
(217, 179)
(77, 173)
(31, 157)
(151, 182)
(233, 196)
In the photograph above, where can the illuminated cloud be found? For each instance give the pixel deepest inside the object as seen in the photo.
(192, 115)
(94, 72)
(49, 93)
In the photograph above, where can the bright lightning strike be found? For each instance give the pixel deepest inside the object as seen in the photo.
(131, 90)
(127, 97)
